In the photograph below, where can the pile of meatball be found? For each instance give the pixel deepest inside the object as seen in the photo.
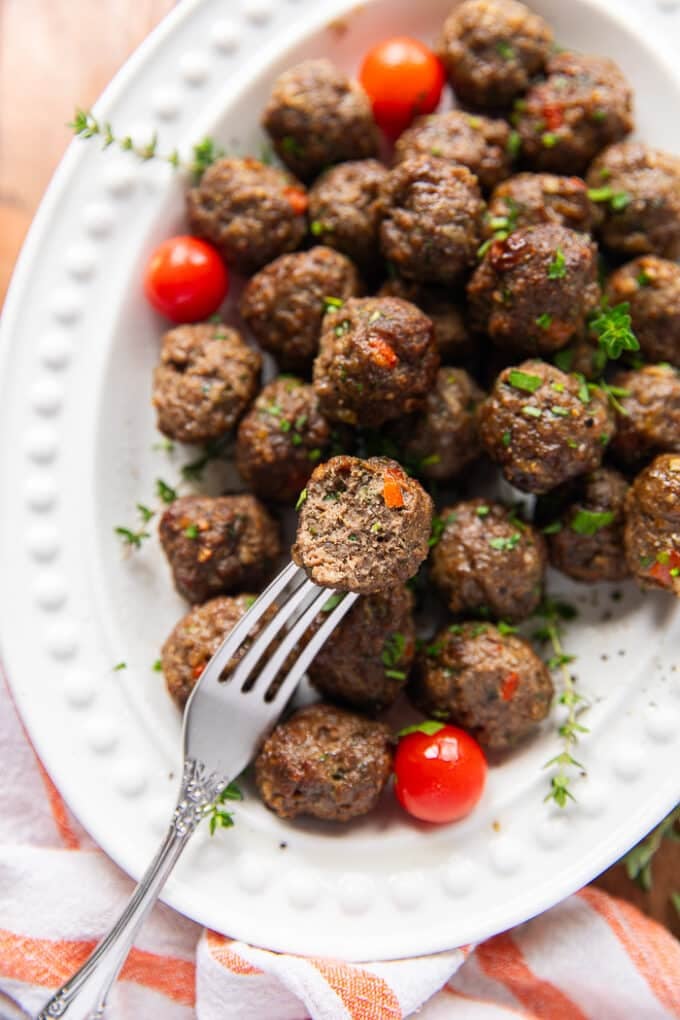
(441, 306)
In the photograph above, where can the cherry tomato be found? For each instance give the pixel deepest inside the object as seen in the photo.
(185, 279)
(402, 78)
(439, 775)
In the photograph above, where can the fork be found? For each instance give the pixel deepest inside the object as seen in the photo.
(244, 707)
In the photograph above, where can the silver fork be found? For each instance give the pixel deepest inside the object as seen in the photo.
(243, 707)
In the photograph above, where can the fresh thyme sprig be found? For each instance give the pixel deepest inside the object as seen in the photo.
(638, 861)
(218, 818)
(613, 329)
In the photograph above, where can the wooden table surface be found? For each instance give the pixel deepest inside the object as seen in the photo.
(75, 48)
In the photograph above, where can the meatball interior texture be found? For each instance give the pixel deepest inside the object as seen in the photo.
(651, 286)
(217, 544)
(534, 290)
(344, 211)
(377, 360)
(366, 660)
(206, 378)
(652, 530)
(451, 335)
(364, 525)
(281, 439)
(284, 304)
(529, 200)
(325, 762)
(583, 105)
(482, 144)
(431, 219)
(489, 561)
(643, 213)
(649, 420)
(491, 49)
(493, 685)
(316, 117)
(544, 427)
(251, 212)
(588, 545)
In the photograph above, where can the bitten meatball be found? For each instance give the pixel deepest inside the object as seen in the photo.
(218, 544)
(639, 191)
(250, 212)
(493, 685)
(377, 360)
(432, 216)
(442, 439)
(488, 561)
(586, 540)
(584, 104)
(533, 291)
(450, 332)
(529, 200)
(205, 380)
(281, 439)
(284, 304)
(325, 762)
(651, 286)
(543, 426)
(316, 117)
(652, 531)
(364, 525)
(491, 49)
(482, 144)
(366, 660)
(344, 210)
(648, 416)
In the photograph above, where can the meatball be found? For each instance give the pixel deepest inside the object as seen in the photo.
(442, 439)
(584, 104)
(284, 304)
(652, 531)
(648, 418)
(205, 380)
(488, 561)
(218, 544)
(586, 541)
(281, 439)
(450, 332)
(316, 117)
(642, 207)
(491, 49)
(344, 210)
(432, 216)
(533, 291)
(364, 525)
(250, 212)
(543, 426)
(365, 661)
(492, 684)
(325, 762)
(528, 200)
(482, 144)
(651, 286)
(377, 360)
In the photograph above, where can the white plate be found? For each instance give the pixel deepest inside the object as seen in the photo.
(77, 428)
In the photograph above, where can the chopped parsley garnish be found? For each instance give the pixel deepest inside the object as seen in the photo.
(506, 439)
(544, 321)
(613, 329)
(342, 328)
(559, 412)
(219, 819)
(524, 381)
(599, 115)
(301, 498)
(557, 269)
(643, 279)
(119, 666)
(504, 629)
(564, 359)
(549, 139)
(145, 513)
(583, 391)
(331, 303)
(505, 50)
(483, 510)
(531, 412)
(191, 531)
(552, 529)
(313, 455)
(157, 666)
(392, 654)
(316, 227)
(505, 544)
(291, 146)
(165, 492)
(514, 144)
(617, 200)
(132, 538)
(589, 522)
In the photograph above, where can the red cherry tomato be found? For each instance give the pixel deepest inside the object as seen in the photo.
(402, 78)
(185, 279)
(439, 777)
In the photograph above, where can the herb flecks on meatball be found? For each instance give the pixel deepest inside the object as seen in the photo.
(529, 200)
(648, 413)
(652, 531)
(364, 525)
(316, 117)
(206, 378)
(344, 210)
(534, 290)
(325, 762)
(491, 49)
(218, 544)
(544, 427)
(651, 286)
(377, 360)
(492, 684)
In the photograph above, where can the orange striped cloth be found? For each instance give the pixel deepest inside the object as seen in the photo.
(590, 958)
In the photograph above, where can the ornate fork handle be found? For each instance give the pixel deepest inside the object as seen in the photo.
(83, 997)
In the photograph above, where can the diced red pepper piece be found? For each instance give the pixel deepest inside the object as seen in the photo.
(297, 199)
(198, 671)
(553, 117)
(509, 686)
(383, 355)
(392, 492)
